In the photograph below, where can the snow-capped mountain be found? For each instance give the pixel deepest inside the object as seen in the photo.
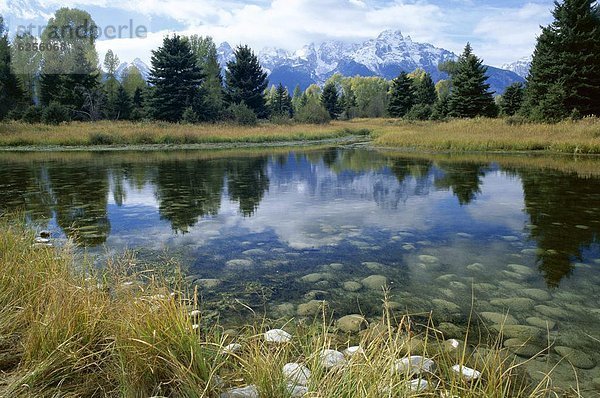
(386, 56)
(138, 63)
(520, 67)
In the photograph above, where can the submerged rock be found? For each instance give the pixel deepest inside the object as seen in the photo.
(521, 269)
(450, 330)
(552, 312)
(331, 358)
(501, 319)
(515, 304)
(537, 294)
(577, 358)
(375, 282)
(254, 252)
(243, 392)
(208, 283)
(313, 278)
(352, 286)
(523, 332)
(476, 267)
(427, 259)
(296, 373)
(373, 266)
(240, 262)
(352, 323)
(523, 348)
(445, 306)
(311, 308)
(277, 336)
(541, 323)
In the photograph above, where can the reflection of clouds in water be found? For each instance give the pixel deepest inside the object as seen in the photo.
(137, 197)
(501, 202)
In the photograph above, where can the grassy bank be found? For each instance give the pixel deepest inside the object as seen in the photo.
(491, 135)
(69, 331)
(105, 133)
(456, 135)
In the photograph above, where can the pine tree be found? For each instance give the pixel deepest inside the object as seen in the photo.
(512, 99)
(330, 100)
(402, 96)
(111, 84)
(205, 51)
(567, 54)
(470, 95)
(11, 91)
(246, 81)
(296, 97)
(281, 103)
(122, 104)
(425, 93)
(176, 79)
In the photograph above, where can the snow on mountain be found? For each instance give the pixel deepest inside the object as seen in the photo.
(138, 63)
(386, 56)
(520, 67)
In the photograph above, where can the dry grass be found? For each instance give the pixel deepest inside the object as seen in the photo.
(68, 331)
(126, 133)
(489, 135)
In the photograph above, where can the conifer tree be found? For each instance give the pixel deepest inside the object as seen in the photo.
(281, 102)
(122, 104)
(567, 54)
(425, 93)
(176, 79)
(470, 95)
(246, 81)
(205, 51)
(11, 91)
(402, 96)
(512, 99)
(330, 100)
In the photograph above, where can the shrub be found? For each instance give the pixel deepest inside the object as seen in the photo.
(55, 114)
(419, 112)
(32, 115)
(313, 113)
(281, 119)
(101, 139)
(516, 120)
(242, 115)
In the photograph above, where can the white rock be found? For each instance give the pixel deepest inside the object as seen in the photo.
(297, 391)
(296, 374)
(277, 336)
(244, 392)
(467, 373)
(332, 358)
(417, 385)
(195, 326)
(194, 313)
(415, 364)
(351, 351)
(42, 240)
(232, 348)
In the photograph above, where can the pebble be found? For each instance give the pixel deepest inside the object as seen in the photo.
(232, 348)
(467, 373)
(277, 336)
(352, 323)
(331, 358)
(375, 282)
(243, 392)
(352, 351)
(296, 373)
(415, 364)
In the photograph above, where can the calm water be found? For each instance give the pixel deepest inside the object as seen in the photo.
(277, 229)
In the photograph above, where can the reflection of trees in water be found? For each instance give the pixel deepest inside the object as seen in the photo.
(189, 190)
(463, 179)
(26, 189)
(247, 181)
(80, 196)
(561, 206)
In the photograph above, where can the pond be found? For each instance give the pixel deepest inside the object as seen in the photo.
(277, 229)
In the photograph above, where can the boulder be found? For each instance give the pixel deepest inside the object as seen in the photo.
(296, 374)
(277, 336)
(331, 358)
(352, 323)
(375, 282)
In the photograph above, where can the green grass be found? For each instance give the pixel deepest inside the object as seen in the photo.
(67, 330)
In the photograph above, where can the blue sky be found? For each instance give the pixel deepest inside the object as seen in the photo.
(500, 31)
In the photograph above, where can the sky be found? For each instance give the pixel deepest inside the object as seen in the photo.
(501, 31)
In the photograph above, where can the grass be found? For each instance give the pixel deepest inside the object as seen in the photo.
(582, 137)
(107, 133)
(491, 135)
(68, 330)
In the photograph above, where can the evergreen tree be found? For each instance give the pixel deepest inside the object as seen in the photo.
(281, 104)
(176, 79)
(512, 99)
(348, 102)
(469, 95)
(567, 54)
(425, 93)
(296, 97)
(132, 80)
(330, 100)
(122, 104)
(245, 81)
(111, 84)
(205, 51)
(402, 96)
(11, 91)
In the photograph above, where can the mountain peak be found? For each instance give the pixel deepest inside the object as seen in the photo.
(390, 34)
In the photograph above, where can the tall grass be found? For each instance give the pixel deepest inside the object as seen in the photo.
(67, 330)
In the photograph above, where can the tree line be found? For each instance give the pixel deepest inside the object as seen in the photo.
(186, 84)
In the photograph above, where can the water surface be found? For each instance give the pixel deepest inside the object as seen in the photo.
(278, 228)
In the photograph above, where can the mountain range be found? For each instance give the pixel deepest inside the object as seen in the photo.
(385, 56)
(520, 67)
